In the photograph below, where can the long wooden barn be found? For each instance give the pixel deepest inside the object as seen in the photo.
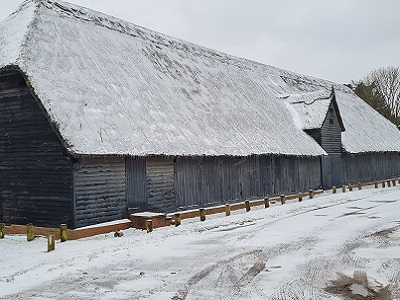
(100, 115)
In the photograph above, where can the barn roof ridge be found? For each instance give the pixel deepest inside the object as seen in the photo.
(67, 9)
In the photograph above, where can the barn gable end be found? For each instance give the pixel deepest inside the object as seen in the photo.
(35, 170)
(331, 142)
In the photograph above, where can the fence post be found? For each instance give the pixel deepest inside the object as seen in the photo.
(149, 225)
(51, 244)
(247, 203)
(227, 210)
(388, 184)
(359, 186)
(350, 187)
(177, 219)
(300, 197)
(202, 214)
(2, 230)
(334, 190)
(283, 199)
(266, 202)
(29, 232)
(394, 182)
(376, 184)
(383, 184)
(63, 233)
(343, 188)
(311, 193)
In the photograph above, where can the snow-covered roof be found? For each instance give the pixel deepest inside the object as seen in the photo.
(112, 87)
(311, 108)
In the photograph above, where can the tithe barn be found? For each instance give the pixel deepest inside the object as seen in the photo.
(100, 115)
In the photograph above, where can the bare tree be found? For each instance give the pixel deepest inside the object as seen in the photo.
(386, 83)
(381, 90)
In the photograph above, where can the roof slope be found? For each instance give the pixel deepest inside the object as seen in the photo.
(112, 87)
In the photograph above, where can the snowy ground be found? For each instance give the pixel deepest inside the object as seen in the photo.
(343, 246)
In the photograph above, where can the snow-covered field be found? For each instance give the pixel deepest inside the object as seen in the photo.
(342, 246)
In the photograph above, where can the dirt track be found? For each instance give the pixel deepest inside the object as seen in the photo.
(341, 251)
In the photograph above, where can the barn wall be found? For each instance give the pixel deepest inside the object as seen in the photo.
(35, 172)
(206, 181)
(99, 190)
(364, 167)
(160, 184)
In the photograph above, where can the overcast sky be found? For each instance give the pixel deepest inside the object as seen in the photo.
(338, 40)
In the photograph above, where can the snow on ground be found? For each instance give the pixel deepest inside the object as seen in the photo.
(332, 247)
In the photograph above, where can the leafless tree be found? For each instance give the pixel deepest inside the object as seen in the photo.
(386, 82)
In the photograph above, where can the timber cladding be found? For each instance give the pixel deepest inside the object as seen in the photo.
(99, 190)
(207, 181)
(331, 134)
(160, 184)
(136, 183)
(362, 167)
(168, 184)
(35, 171)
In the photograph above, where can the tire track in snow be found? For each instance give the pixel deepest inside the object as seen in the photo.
(221, 267)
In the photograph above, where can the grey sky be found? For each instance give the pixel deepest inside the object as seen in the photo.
(340, 40)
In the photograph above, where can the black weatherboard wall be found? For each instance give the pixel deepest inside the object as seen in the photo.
(169, 184)
(35, 171)
(370, 166)
(216, 180)
(99, 190)
(40, 182)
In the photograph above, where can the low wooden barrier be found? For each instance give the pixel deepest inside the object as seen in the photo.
(72, 234)
(140, 220)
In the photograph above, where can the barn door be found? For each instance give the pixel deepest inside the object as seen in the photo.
(160, 184)
(136, 183)
(331, 170)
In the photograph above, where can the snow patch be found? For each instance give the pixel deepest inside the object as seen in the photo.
(296, 116)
